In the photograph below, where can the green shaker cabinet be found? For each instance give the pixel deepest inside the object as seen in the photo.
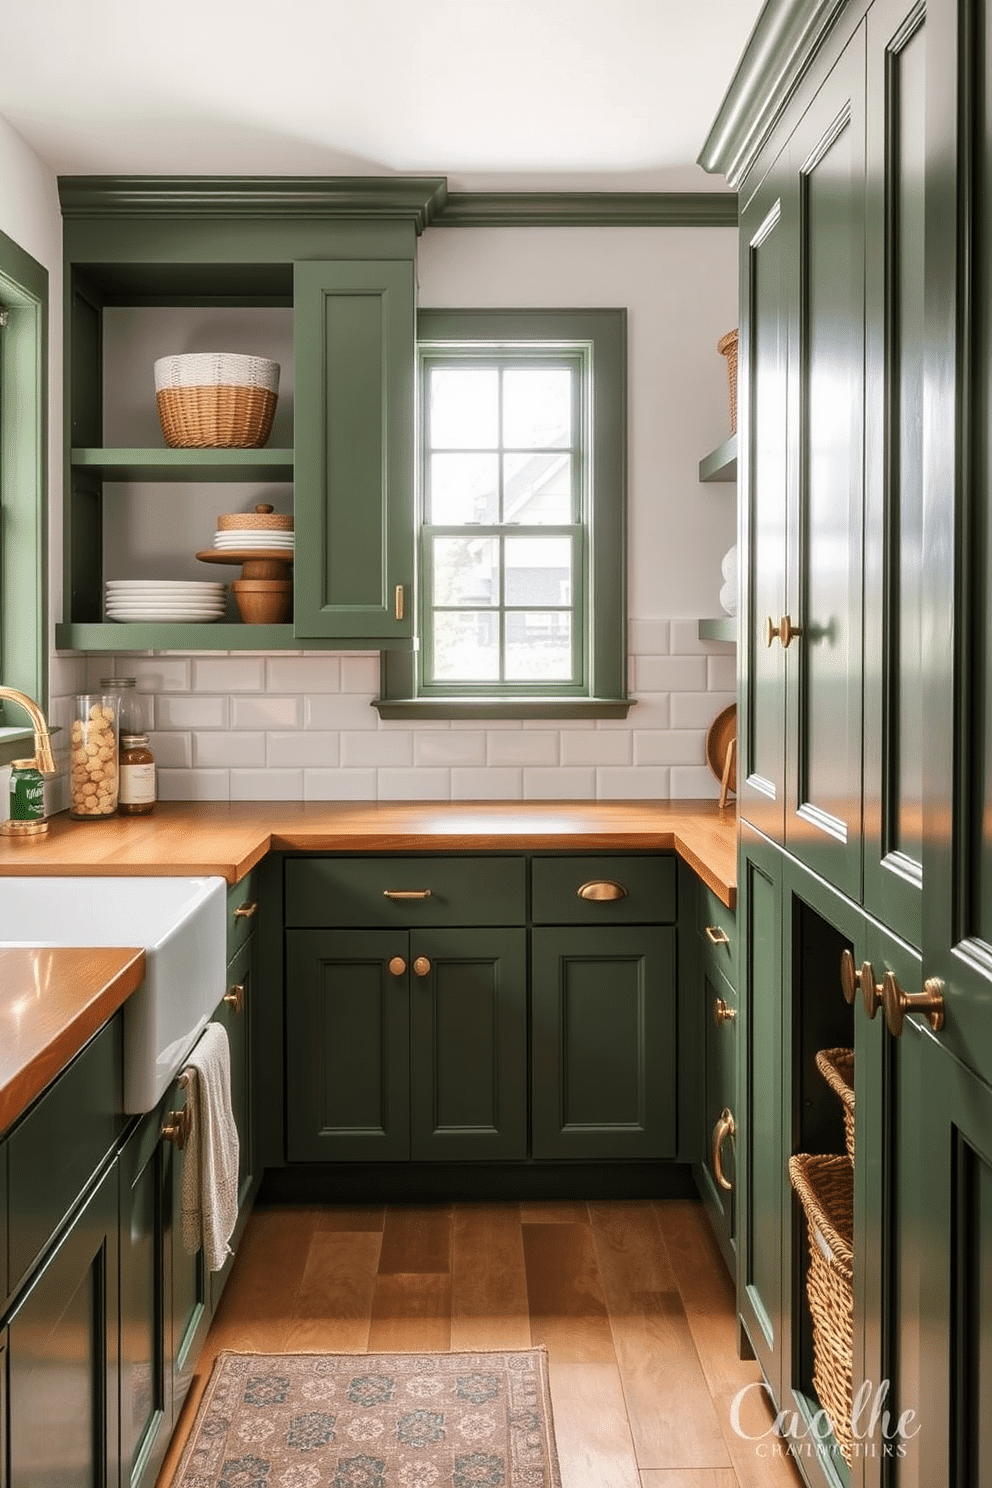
(354, 338)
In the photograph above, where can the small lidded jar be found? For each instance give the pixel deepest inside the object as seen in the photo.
(137, 785)
(93, 757)
(132, 706)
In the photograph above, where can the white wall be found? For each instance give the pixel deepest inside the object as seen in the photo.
(301, 726)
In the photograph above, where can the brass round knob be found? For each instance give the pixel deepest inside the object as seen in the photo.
(397, 966)
(236, 997)
(871, 991)
(784, 631)
(422, 966)
(897, 1003)
(723, 1012)
(725, 1127)
(848, 977)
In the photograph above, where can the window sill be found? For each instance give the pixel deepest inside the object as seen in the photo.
(12, 742)
(492, 707)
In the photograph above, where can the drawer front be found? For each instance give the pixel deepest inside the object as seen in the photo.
(405, 892)
(718, 928)
(241, 916)
(648, 890)
(53, 1153)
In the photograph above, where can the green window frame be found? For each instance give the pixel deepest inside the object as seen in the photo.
(590, 604)
(23, 488)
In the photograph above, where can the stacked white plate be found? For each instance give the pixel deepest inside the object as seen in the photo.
(253, 537)
(157, 600)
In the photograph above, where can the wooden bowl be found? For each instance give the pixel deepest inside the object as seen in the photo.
(263, 601)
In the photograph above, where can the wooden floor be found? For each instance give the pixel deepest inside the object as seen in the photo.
(629, 1298)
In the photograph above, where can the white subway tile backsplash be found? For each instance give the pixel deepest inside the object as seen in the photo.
(651, 710)
(191, 712)
(489, 784)
(266, 785)
(447, 749)
(266, 712)
(339, 711)
(571, 785)
(698, 709)
(414, 785)
(671, 747)
(525, 748)
(721, 671)
(685, 638)
(229, 674)
(689, 782)
(172, 749)
(634, 784)
(225, 749)
(155, 674)
(339, 785)
(596, 748)
(360, 674)
(194, 785)
(307, 748)
(316, 671)
(649, 637)
(379, 749)
(670, 674)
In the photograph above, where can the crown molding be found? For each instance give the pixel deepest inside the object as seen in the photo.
(414, 198)
(588, 209)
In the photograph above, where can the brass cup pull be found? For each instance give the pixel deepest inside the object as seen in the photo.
(723, 1012)
(422, 967)
(717, 936)
(784, 630)
(601, 890)
(725, 1127)
(236, 997)
(177, 1126)
(897, 1003)
(246, 910)
(406, 893)
(397, 966)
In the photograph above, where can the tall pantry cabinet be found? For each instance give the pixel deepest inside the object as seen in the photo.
(859, 136)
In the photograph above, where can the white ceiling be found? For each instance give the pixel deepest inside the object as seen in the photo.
(494, 94)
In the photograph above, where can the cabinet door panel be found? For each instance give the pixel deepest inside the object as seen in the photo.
(719, 1014)
(893, 759)
(604, 1042)
(354, 336)
(468, 1045)
(145, 1381)
(347, 1046)
(823, 819)
(63, 1357)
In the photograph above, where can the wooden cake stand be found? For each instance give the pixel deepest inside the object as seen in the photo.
(265, 590)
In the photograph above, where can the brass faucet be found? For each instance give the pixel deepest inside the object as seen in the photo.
(41, 760)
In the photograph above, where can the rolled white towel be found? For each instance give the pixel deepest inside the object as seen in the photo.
(728, 598)
(728, 563)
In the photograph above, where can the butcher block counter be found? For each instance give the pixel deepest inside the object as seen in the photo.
(229, 838)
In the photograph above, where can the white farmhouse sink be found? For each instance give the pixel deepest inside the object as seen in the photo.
(180, 923)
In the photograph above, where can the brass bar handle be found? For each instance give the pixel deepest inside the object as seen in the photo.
(246, 910)
(723, 1012)
(406, 893)
(422, 966)
(897, 1003)
(397, 966)
(236, 997)
(399, 598)
(716, 935)
(601, 890)
(785, 631)
(725, 1127)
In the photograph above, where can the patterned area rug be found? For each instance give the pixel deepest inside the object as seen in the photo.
(374, 1421)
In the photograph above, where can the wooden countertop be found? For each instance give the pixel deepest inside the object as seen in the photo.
(52, 1001)
(229, 838)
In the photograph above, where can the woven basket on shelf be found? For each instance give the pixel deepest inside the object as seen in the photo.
(837, 1068)
(727, 346)
(216, 400)
(825, 1186)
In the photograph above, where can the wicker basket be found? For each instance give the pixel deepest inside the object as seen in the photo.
(216, 400)
(837, 1068)
(825, 1186)
(727, 346)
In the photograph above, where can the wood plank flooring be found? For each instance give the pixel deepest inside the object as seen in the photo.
(630, 1299)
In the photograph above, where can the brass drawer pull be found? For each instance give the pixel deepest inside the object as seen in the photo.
(717, 936)
(397, 966)
(725, 1127)
(236, 997)
(422, 966)
(406, 893)
(897, 1003)
(398, 601)
(601, 890)
(723, 1012)
(246, 910)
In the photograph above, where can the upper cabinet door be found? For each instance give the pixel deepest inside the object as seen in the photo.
(893, 733)
(355, 335)
(826, 482)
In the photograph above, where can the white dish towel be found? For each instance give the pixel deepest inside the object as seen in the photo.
(210, 1157)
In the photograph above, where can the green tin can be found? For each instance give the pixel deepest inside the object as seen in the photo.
(27, 792)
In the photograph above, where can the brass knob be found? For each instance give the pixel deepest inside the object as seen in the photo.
(717, 936)
(601, 890)
(848, 977)
(897, 1003)
(176, 1127)
(723, 1012)
(397, 966)
(246, 910)
(871, 990)
(725, 1127)
(422, 966)
(236, 997)
(784, 630)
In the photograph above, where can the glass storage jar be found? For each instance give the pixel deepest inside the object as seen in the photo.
(133, 707)
(93, 770)
(136, 794)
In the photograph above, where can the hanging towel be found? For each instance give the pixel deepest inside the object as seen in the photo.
(210, 1157)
